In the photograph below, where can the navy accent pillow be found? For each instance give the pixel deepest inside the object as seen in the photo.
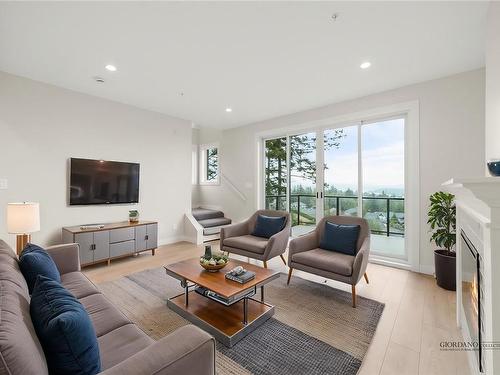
(64, 329)
(340, 238)
(35, 261)
(267, 226)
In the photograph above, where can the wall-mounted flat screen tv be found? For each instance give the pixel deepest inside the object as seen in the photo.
(103, 182)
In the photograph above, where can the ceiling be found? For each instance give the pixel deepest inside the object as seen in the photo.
(262, 59)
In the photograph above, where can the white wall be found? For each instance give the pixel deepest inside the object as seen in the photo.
(493, 82)
(41, 126)
(451, 143)
(195, 140)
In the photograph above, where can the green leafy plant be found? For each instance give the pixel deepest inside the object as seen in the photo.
(442, 220)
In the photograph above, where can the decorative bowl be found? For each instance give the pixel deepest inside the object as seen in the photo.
(211, 268)
(215, 263)
(494, 167)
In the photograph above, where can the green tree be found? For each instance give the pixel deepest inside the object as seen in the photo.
(301, 147)
(212, 164)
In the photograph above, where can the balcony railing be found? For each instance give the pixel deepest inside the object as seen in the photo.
(381, 216)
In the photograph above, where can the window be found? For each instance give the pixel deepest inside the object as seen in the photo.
(276, 173)
(361, 168)
(209, 165)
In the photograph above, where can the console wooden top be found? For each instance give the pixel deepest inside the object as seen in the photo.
(122, 224)
(191, 270)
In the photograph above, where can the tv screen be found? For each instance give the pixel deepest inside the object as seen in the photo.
(103, 182)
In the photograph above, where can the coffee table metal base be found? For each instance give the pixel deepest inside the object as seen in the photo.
(225, 323)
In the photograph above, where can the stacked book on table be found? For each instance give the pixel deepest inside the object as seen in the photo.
(241, 278)
(208, 293)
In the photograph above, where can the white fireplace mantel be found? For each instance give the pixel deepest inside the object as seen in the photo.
(479, 195)
(478, 215)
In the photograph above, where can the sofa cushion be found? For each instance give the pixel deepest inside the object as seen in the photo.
(121, 343)
(64, 329)
(10, 271)
(340, 238)
(20, 349)
(105, 317)
(268, 226)
(35, 261)
(247, 242)
(78, 284)
(326, 260)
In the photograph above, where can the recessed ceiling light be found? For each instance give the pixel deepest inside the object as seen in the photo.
(111, 68)
(229, 109)
(98, 79)
(365, 65)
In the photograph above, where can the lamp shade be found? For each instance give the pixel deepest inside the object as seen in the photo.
(23, 218)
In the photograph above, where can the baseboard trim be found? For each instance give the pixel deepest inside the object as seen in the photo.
(424, 269)
(390, 263)
(173, 239)
(427, 269)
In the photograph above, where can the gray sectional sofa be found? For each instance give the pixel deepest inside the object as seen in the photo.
(124, 348)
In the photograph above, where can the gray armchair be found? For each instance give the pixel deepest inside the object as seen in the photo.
(238, 238)
(305, 254)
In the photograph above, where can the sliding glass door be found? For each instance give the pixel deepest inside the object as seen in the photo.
(276, 173)
(290, 178)
(303, 191)
(383, 160)
(341, 171)
(355, 170)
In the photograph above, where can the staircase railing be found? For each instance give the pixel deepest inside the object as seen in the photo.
(233, 187)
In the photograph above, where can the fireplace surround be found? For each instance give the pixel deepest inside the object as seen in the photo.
(478, 265)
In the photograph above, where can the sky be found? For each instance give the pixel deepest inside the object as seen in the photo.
(382, 157)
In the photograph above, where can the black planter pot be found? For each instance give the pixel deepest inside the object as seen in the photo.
(445, 264)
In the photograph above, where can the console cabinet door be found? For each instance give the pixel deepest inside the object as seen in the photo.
(152, 236)
(86, 242)
(140, 238)
(101, 245)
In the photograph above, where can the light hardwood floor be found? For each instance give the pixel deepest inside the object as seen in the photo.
(418, 315)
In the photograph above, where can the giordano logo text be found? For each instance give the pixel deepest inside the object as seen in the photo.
(467, 345)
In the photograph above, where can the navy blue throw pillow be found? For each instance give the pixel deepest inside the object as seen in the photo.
(268, 226)
(35, 261)
(64, 329)
(340, 238)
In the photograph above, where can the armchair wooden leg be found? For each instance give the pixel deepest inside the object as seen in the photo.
(353, 291)
(265, 264)
(289, 276)
(283, 259)
(366, 278)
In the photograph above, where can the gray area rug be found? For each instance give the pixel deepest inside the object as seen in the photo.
(314, 330)
(276, 348)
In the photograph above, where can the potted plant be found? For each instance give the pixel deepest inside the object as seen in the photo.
(442, 220)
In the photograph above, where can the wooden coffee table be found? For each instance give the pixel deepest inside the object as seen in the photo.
(231, 319)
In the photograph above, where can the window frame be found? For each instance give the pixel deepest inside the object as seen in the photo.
(409, 110)
(203, 164)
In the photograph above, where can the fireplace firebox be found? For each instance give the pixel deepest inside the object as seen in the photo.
(472, 295)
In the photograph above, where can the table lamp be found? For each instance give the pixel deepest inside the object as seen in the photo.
(23, 219)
